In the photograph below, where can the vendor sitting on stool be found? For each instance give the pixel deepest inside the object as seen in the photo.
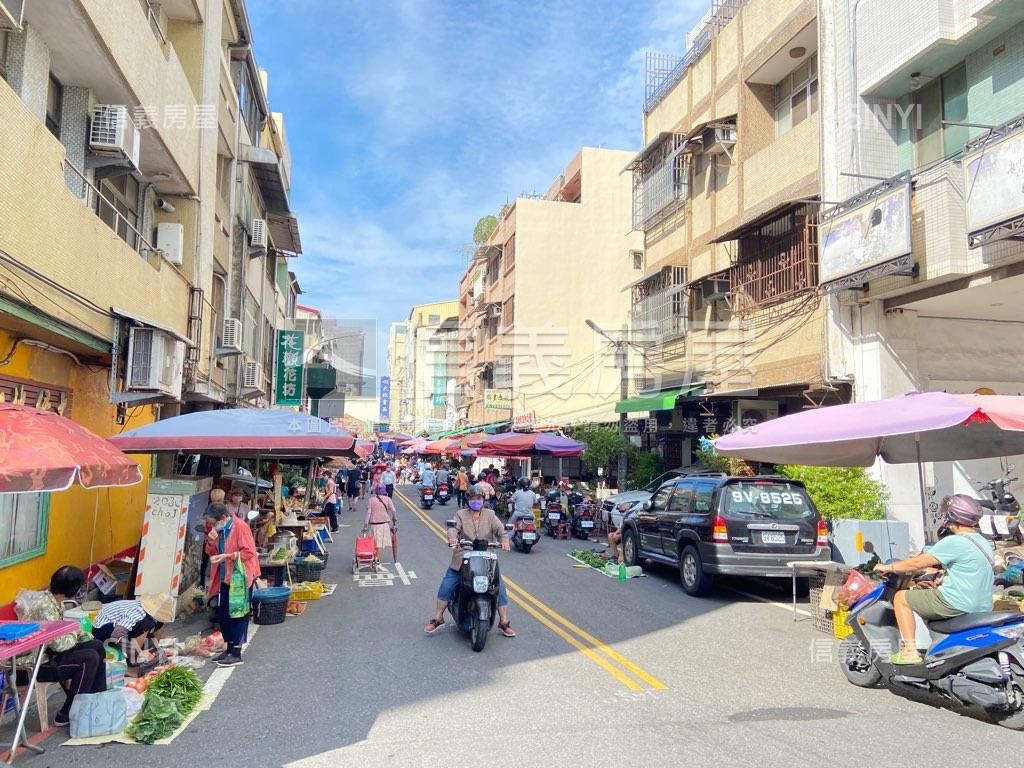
(134, 620)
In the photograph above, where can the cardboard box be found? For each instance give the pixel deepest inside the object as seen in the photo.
(1005, 604)
(112, 577)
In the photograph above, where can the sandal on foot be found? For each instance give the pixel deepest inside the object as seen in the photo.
(905, 658)
(506, 630)
(433, 625)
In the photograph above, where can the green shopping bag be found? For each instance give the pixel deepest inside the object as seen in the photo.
(238, 591)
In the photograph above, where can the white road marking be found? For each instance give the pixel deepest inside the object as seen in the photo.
(766, 601)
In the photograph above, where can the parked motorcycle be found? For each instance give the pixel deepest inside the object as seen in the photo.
(427, 497)
(442, 496)
(976, 658)
(524, 535)
(554, 512)
(1002, 502)
(582, 525)
(475, 602)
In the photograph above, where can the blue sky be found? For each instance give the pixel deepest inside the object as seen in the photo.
(408, 121)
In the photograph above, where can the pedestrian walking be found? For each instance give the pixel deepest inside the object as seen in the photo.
(389, 480)
(381, 522)
(461, 486)
(353, 488)
(331, 501)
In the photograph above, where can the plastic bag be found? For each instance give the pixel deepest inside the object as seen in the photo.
(28, 602)
(98, 714)
(238, 592)
(132, 701)
(856, 586)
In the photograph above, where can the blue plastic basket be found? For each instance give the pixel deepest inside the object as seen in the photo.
(271, 594)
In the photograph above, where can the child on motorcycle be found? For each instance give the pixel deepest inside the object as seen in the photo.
(477, 522)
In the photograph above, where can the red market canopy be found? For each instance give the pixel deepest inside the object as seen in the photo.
(522, 445)
(437, 447)
(43, 451)
(240, 433)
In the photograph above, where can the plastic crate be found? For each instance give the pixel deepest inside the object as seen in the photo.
(839, 626)
(821, 619)
(307, 571)
(308, 591)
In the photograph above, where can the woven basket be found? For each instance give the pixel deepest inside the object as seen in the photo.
(269, 611)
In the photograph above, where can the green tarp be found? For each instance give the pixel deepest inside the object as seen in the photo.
(662, 401)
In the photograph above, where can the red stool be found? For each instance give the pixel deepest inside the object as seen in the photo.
(562, 531)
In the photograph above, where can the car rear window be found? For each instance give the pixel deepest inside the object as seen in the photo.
(773, 499)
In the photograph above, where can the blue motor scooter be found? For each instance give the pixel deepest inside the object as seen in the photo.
(976, 658)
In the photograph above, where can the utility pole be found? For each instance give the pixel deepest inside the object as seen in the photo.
(622, 363)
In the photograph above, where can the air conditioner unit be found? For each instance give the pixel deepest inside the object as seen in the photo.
(715, 290)
(156, 361)
(259, 234)
(718, 141)
(252, 375)
(231, 335)
(113, 132)
(11, 12)
(750, 413)
(170, 238)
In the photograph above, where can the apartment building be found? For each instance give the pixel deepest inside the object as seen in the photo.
(425, 363)
(398, 373)
(555, 262)
(725, 194)
(117, 232)
(920, 246)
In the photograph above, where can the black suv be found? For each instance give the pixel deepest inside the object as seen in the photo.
(709, 524)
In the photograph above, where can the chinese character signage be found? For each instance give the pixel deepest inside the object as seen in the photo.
(289, 368)
(499, 399)
(385, 398)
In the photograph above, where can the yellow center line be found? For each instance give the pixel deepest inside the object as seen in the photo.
(557, 623)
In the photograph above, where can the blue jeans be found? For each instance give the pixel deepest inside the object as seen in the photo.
(451, 580)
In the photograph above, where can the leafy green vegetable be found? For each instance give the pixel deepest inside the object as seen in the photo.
(179, 684)
(594, 561)
(157, 720)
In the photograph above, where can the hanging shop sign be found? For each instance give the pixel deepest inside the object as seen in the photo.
(498, 399)
(865, 234)
(994, 183)
(524, 420)
(290, 351)
(385, 398)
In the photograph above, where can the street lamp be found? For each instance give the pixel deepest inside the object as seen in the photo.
(621, 362)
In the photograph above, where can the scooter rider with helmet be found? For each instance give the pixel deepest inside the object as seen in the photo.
(966, 557)
(477, 522)
(523, 501)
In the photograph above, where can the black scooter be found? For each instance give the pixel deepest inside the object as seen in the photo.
(1002, 503)
(475, 603)
(554, 513)
(582, 526)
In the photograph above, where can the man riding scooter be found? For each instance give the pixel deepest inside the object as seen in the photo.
(965, 555)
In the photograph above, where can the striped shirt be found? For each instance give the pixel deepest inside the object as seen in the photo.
(121, 613)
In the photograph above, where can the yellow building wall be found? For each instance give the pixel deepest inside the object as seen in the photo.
(119, 514)
(46, 227)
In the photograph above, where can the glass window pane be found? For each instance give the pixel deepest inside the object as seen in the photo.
(929, 132)
(812, 88)
(22, 524)
(954, 108)
(799, 106)
(782, 118)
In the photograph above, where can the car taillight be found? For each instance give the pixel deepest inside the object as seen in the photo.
(719, 531)
(822, 534)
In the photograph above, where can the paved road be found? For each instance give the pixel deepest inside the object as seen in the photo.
(602, 673)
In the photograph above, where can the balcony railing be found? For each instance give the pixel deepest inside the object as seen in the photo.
(665, 70)
(90, 195)
(660, 306)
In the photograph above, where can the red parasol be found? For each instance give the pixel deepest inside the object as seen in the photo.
(43, 451)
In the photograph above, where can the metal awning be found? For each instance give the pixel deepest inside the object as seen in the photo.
(661, 401)
(646, 151)
(726, 121)
(150, 323)
(648, 276)
(266, 167)
(284, 233)
(756, 218)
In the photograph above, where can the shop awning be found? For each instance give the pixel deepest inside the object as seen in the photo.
(662, 401)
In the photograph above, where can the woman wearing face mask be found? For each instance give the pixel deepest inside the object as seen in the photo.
(237, 504)
(229, 542)
(477, 522)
